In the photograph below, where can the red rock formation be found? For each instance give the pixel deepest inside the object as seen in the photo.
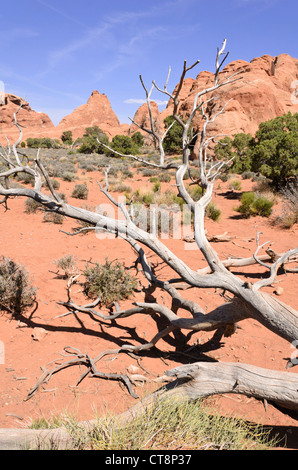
(33, 124)
(96, 112)
(143, 119)
(264, 92)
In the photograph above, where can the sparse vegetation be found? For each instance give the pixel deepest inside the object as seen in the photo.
(253, 204)
(109, 281)
(166, 425)
(16, 290)
(289, 214)
(54, 218)
(80, 191)
(68, 264)
(31, 206)
(212, 212)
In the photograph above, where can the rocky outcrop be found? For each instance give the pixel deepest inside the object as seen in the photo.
(142, 117)
(96, 112)
(33, 124)
(264, 92)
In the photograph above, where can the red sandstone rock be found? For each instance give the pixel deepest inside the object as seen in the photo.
(263, 93)
(143, 119)
(33, 124)
(96, 112)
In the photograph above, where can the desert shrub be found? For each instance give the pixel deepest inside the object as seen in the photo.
(31, 206)
(86, 165)
(142, 197)
(212, 212)
(248, 175)
(43, 142)
(253, 204)
(89, 141)
(153, 179)
(127, 173)
(68, 264)
(235, 184)
(173, 424)
(156, 187)
(68, 176)
(25, 178)
(80, 191)
(149, 172)
(138, 139)
(195, 192)
(16, 291)
(54, 218)
(125, 145)
(289, 211)
(121, 188)
(165, 177)
(55, 184)
(110, 281)
(66, 137)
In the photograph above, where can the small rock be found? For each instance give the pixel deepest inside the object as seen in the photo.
(132, 369)
(38, 334)
(278, 291)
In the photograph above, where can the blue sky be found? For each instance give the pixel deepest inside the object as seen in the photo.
(54, 53)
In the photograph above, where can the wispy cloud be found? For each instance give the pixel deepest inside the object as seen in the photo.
(106, 36)
(61, 13)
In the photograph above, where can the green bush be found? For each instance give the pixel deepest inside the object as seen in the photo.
(125, 145)
(16, 291)
(43, 142)
(138, 139)
(272, 152)
(89, 141)
(235, 184)
(156, 187)
(66, 137)
(252, 204)
(109, 281)
(212, 212)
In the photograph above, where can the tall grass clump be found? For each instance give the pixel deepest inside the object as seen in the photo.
(171, 424)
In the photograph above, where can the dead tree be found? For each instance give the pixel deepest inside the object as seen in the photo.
(246, 299)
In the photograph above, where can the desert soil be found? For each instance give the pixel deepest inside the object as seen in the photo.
(36, 339)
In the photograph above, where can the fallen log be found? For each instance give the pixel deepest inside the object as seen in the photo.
(192, 382)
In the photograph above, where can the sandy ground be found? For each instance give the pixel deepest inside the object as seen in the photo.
(32, 341)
